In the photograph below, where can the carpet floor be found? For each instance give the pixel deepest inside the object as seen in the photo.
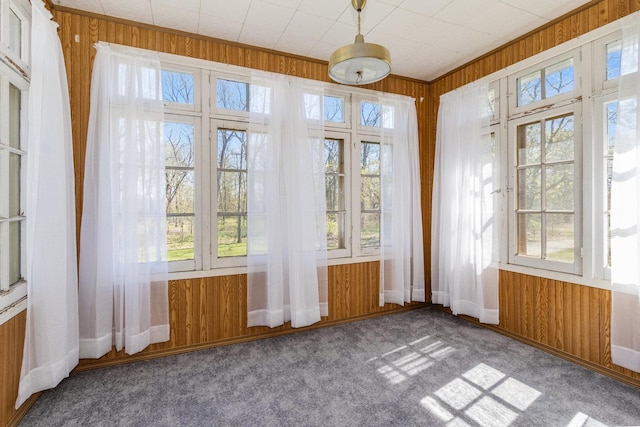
(421, 367)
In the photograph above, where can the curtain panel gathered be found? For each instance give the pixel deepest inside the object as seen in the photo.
(51, 337)
(401, 237)
(286, 229)
(625, 212)
(464, 224)
(123, 254)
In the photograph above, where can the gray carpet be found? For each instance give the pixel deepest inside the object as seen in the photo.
(421, 367)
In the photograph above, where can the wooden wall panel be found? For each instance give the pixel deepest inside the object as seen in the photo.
(562, 316)
(11, 345)
(212, 311)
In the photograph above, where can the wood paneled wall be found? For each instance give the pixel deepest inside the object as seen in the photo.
(11, 345)
(563, 317)
(212, 311)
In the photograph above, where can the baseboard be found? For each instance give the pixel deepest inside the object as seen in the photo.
(88, 364)
(551, 350)
(22, 410)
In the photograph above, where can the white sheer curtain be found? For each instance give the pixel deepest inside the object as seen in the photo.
(625, 213)
(286, 229)
(51, 341)
(123, 255)
(401, 238)
(464, 224)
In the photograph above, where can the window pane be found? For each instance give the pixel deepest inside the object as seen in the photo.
(370, 230)
(335, 193)
(560, 240)
(180, 232)
(559, 139)
(232, 95)
(15, 33)
(177, 87)
(14, 251)
(370, 158)
(178, 138)
(529, 88)
(529, 144)
(232, 191)
(370, 193)
(559, 187)
(333, 156)
(312, 106)
(529, 189)
(369, 114)
(529, 235)
(232, 149)
(180, 190)
(559, 78)
(14, 116)
(14, 184)
(232, 236)
(334, 109)
(335, 230)
(614, 50)
(491, 103)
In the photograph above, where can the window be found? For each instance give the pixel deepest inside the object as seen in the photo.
(232, 192)
(369, 194)
(14, 43)
(335, 178)
(15, 17)
(545, 144)
(12, 220)
(545, 181)
(209, 134)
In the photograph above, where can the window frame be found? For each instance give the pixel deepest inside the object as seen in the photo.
(347, 190)
(557, 100)
(14, 71)
(576, 266)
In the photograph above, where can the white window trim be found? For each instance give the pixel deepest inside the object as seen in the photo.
(514, 258)
(15, 70)
(207, 264)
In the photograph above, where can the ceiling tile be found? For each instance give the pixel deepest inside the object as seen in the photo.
(219, 27)
(339, 34)
(480, 16)
(271, 17)
(259, 35)
(331, 9)
(428, 8)
(235, 10)
(548, 9)
(291, 4)
(167, 6)
(400, 22)
(94, 6)
(309, 26)
(183, 20)
(135, 11)
(370, 16)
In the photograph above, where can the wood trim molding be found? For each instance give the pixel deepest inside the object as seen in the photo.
(548, 349)
(101, 363)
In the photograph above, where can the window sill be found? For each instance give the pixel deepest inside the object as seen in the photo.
(230, 271)
(13, 302)
(555, 275)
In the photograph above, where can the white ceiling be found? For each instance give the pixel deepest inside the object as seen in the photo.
(426, 38)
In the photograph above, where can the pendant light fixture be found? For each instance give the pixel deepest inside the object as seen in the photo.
(359, 63)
